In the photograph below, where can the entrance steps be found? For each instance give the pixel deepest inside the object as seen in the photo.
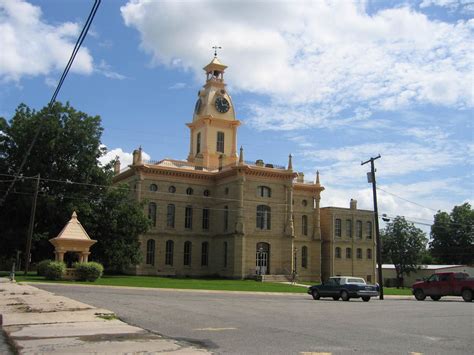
(273, 278)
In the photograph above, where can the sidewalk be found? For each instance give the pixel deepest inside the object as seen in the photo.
(37, 322)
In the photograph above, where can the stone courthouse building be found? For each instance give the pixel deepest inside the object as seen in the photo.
(216, 214)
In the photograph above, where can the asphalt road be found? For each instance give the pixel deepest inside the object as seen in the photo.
(230, 323)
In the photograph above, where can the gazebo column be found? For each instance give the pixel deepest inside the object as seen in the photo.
(85, 257)
(59, 256)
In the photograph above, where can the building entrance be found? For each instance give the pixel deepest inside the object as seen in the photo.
(262, 259)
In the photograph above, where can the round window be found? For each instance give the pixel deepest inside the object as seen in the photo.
(153, 187)
(189, 191)
(172, 189)
(207, 192)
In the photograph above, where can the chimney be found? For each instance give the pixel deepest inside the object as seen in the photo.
(353, 204)
(117, 166)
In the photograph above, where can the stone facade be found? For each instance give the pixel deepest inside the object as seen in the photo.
(217, 215)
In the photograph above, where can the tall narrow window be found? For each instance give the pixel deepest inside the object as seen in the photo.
(152, 213)
(369, 230)
(263, 217)
(220, 142)
(150, 252)
(187, 254)
(226, 218)
(338, 253)
(359, 253)
(170, 215)
(337, 227)
(205, 218)
(304, 225)
(169, 252)
(205, 254)
(369, 253)
(264, 191)
(198, 143)
(359, 229)
(348, 228)
(348, 253)
(304, 257)
(188, 217)
(225, 254)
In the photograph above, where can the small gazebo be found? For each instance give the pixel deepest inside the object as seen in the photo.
(73, 238)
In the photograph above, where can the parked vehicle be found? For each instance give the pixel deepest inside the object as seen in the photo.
(445, 284)
(344, 287)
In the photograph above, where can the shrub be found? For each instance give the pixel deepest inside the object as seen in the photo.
(41, 267)
(55, 270)
(89, 271)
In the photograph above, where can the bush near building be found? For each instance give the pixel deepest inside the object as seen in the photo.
(55, 270)
(42, 266)
(89, 271)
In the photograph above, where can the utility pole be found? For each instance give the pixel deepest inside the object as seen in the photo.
(31, 227)
(371, 179)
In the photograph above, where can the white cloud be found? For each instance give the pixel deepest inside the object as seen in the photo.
(32, 47)
(465, 6)
(314, 59)
(124, 157)
(178, 86)
(105, 69)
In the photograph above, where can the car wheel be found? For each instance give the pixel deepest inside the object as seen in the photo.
(420, 295)
(315, 294)
(345, 295)
(366, 299)
(435, 298)
(335, 298)
(467, 295)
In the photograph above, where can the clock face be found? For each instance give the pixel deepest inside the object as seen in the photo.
(222, 105)
(198, 106)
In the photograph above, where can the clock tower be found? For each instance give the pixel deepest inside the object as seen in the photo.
(213, 138)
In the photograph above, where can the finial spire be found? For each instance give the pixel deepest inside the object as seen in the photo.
(317, 177)
(74, 215)
(215, 50)
(241, 156)
(290, 162)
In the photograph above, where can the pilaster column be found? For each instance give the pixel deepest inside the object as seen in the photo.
(317, 218)
(290, 229)
(239, 226)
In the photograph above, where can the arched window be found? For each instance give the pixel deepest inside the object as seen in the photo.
(205, 254)
(348, 253)
(304, 225)
(170, 214)
(198, 143)
(369, 253)
(369, 230)
(359, 253)
(337, 228)
(263, 217)
(338, 253)
(188, 217)
(189, 191)
(304, 203)
(152, 213)
(304, 257)
(150, 252)
(359, 229)
(169, 252)
(187, 253)
(225, 254)
(264, 191)
(172, 189)
(153, 187)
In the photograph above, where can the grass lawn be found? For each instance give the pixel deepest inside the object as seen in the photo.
(166, 282)
(195, 284)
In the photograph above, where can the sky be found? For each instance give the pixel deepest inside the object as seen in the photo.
(333, 83)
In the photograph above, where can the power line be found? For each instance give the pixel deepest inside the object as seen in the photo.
(404, 199)
(78, 44)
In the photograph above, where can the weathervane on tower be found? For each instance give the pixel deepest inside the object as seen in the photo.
(215, 50)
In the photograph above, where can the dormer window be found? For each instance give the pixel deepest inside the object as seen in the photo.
(220, 142)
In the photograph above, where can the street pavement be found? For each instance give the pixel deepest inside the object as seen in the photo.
(256, 323)
(37, 322)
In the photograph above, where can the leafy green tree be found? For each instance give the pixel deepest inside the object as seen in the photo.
(67, 150)
(403, 245)
(452, 235)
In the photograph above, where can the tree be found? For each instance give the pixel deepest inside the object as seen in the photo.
(403, 245)
(452, 235)
(67, 150)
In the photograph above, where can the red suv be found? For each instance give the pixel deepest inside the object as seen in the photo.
(445, 284)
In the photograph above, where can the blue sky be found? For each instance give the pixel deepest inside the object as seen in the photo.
(333, 83)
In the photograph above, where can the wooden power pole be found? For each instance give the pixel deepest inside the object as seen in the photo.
(31, 227)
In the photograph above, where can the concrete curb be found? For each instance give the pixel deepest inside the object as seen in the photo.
(38, 322)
